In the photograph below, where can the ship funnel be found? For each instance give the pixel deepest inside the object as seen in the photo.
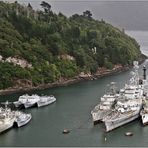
(144, 72)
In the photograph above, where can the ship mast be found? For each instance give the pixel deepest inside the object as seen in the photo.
(135, 77)
(144, 72)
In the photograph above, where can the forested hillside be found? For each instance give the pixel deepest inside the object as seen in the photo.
(39, 47)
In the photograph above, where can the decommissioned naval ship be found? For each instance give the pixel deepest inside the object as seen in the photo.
(6, 121)
(106, 104)
(124, 112)
(7, 118)
(128, 105)
(27, 100)
(144, 112)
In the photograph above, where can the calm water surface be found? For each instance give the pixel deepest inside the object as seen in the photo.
(72, 111)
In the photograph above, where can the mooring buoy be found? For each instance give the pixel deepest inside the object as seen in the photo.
(66, 131)
(128, 134)
(105, 139)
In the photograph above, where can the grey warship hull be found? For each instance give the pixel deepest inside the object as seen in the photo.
(126, 118)
(99, 115)
(5, 125)
(47, 102)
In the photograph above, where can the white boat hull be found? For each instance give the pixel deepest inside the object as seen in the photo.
(24, 122)
(112, 124)
(17, 104)
(44, 103)
(5, 125)
(144, 117)
(28, 105)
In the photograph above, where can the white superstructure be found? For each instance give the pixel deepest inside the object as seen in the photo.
(123, 113)
(7, 118)
(105, 106)
(27, 100)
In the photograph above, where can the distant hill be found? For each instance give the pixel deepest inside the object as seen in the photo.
(39, 47)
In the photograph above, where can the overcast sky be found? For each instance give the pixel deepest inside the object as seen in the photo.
(131, 15)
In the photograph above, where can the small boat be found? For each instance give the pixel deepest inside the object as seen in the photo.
(46, 100)
(128, 134)
(66, 131)
(21, 118)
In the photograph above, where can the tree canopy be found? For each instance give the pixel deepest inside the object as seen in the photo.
(58, 46)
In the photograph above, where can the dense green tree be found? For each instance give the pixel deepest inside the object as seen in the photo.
(87, 13)
(46, 7)
(57, 46)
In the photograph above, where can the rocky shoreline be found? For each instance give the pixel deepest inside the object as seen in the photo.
(66, 82)
(102, 72)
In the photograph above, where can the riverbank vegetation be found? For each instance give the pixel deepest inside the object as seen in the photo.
(57, 46)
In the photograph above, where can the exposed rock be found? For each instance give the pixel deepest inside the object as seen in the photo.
(22, 83)
(18, 61)
(66, 57)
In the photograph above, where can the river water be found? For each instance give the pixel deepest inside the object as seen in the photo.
(72, 111)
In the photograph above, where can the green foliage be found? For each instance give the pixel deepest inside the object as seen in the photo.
(87, 14)
(46, 6)
(108, 64)
(41, 37)
(67, 68)
(8, 72)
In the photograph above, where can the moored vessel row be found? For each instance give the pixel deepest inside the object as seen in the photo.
(128, 104)
(9, 118)
(28, 101)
